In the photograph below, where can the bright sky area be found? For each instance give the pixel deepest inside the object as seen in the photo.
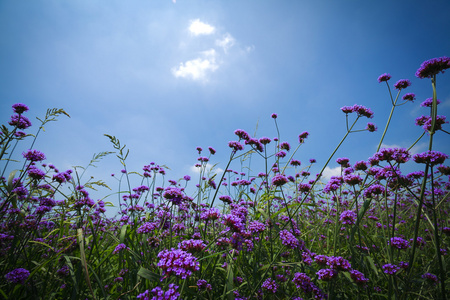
(165, 77)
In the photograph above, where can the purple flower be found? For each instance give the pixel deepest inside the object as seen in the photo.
(409, 97)
(425, 122)
(256, 227)
(234, 222)
(280, 154)
(34, 155)
(343, 161)
(333, 184)
(375, 189)
(177, 262)
(174, 195)
(303, 136)
(429, 102)
(203, 285)
(36, 173)
(19, 275)
(242, 134)
(210, 214)
(119, 248)
(20, 121)
(212, 150)
(270, 285)
(279, 180)
(274, 116)
(399, 155)
(20, 108)
(192, 245)
(358, 277)
(390, 269)
(371, 127)
(430, 277)
(431, 157)
(338, 263)
(159, 294)
(402, 84)
(236, 146)
(399, 243)
(348, 217)
(288, 239)
(384, 77)
(433, 66)
(285, 146)
(327, 274)
(265, 140)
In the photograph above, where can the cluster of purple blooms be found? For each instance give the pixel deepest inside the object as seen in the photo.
(177, 262)
(16, 276)
(360, 110)
(159, 294)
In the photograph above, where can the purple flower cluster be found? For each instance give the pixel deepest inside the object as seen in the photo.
(21, 122)
(279, 180)
(119, 248)
(431, 157)
(159, 294)
(402, 84)
(433, 66)
(20, 108)
(174, 195)
(399, 243)
(348, 217)
(327, 274)
(177, 262)
(19, 275)
(429, 102)
(390, 269)
(303, 282)
(192, 245)
(384, 77)
(288, 239)
(359, 109)
(34, 155)
(270, 285)
(399, 155)
(359, 278)
(425, 122)
(338, 263)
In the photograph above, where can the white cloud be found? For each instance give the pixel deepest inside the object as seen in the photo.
(196, 170)
(329, 172)
(197, 69)
(226, 42)
(197, 28)
(390, 146)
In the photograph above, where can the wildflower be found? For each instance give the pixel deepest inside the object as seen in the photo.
(19, 275)
(225, 199)
(399, 243)
(429, 102)
(177, 262)
(21, 122)
(204, 285)
(279, 180)
(327, 274)
(358, 277)
(431, 157)
(265, 140)
(256, 227)
(270, 285)
(384, 77)
(402, 84)
(36, 173)
(285, 146)
(333, 184)
(403, 265)
(280, 154)
(390, 269)
(34, 155)
(304, 187)
(235, 145)
(302, 281)
(199, 149)
(360, 166)
(371, 127)
(343, 161)
(375, 189)
(147, 227)
(409, 97)
(20, 108)
(288, 239)
(295, 163)
(399, 155)
(192, 245)
(430, 277)
(234, 222)
(348, 217)
(274, 116)
(212, 150)
(312, 160)
(303, 136)
(159, 294)
(425, 122)
(347, 109)
(210, 214)
(362, 111)
(242, 134)
(119, 248)
(338, 263)
(174, 195)
(433, 66)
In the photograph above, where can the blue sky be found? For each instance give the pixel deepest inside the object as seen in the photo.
(165, 77)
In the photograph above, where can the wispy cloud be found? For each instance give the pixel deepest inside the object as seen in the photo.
(197, 69)
(209, 169)
(197, 27)
(226, 42)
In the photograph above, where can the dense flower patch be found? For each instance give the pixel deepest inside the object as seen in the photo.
(275, 232)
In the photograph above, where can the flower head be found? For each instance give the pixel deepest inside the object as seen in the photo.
(384, 77)
(371, 127)
(34, 155)
(433, 66)
(402, 84)
(177, 262)
(429, 102)
(20, 108)
(348, 217)
(19, 275)
(409, 97)
(21, 122)
(279, 180)
(431, 157)
(327, 274)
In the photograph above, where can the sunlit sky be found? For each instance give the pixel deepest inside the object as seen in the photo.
(165, 77)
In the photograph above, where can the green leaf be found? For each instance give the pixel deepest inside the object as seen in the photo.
(147, 274)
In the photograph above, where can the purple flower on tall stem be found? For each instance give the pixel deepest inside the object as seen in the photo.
(399, 243)
(19, 275)
(279, 180)
(358, 277)
(270, 285)
(21, 122)
(384, 77)
(429, 102)
(390, 269)
(409, 97)
(302, 136)
(348, 217)
(20, 108)
(431, 157)
(34, 155)
(433, 66)
(243, 135)
(402, 84)
(288, 239)
(371, 127)
(274, 116)
(327, 274)
(236, 146)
